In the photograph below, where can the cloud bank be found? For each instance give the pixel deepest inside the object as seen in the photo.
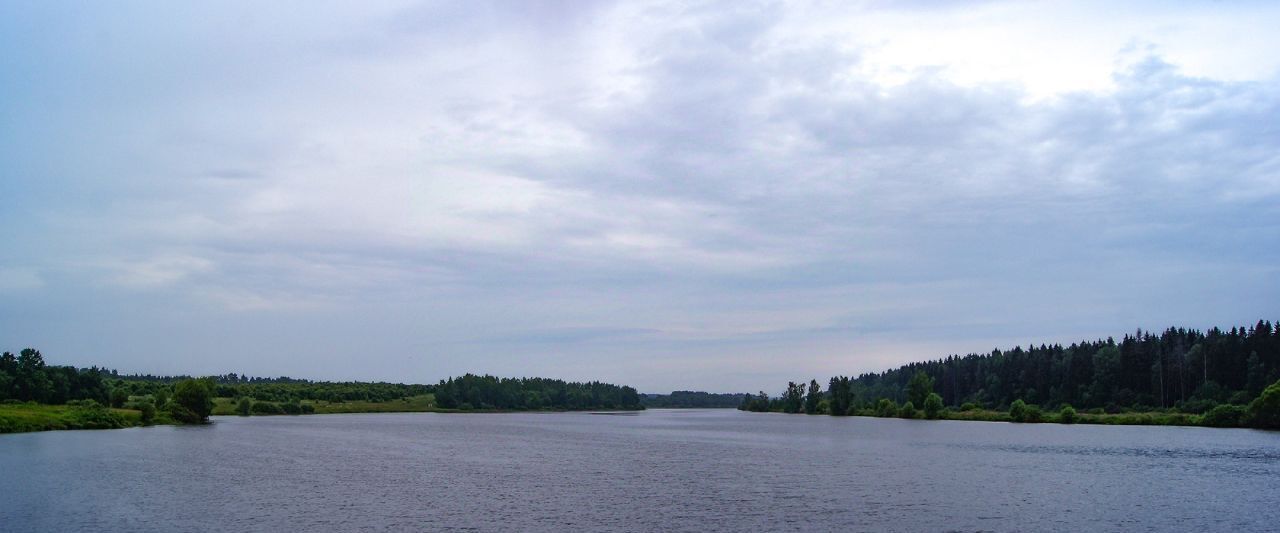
(710, 196)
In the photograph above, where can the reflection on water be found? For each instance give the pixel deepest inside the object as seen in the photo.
(710, 470)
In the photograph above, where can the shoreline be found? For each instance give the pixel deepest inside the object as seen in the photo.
(34, 418)
(1142, 418)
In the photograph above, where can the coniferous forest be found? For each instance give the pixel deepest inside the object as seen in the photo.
(488, 392)
(1218, 372)
(683, 399)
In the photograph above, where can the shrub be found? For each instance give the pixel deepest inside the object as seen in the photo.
(1032, 414)
(1021, 411)
(244, 407)
(1018, 410)
(1067, 415)
(308, 409)
(933, 406)
(886, 408)
(1224, 416)
(968, 406)
(88, 414)
(266, 408)
(908, 410)
(291, 408)
(1264, 412)
(146, 407)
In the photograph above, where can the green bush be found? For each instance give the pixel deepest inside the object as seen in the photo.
(308, 409)
(933, 406)
(244, 406)
(886, 408)
(968, 406)
(1032, 414)
(908, 410)
(1264, 412)
(266, 408)
(1225, 416)
(88, 414)
(145, 407)
(1067, 415)
(1021, 411)
(291, 408)
(1018, 410)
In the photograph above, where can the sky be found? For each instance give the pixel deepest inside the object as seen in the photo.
(718, 196)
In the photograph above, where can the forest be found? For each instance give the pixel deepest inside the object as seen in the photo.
(488, 392)
(1218, 375)
(683, 399)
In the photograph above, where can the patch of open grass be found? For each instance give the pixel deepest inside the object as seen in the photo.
(22, 417)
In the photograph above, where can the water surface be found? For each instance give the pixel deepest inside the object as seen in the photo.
(660, 470)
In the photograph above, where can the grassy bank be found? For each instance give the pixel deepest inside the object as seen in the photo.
(424, 403)
(23, 417)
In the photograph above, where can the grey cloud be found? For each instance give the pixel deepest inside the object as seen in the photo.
(556, 189)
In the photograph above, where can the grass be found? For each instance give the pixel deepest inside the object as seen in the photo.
(22, 417)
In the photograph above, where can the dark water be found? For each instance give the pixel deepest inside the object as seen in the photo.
(710, 470)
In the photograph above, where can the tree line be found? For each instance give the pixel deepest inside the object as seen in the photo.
(488, 392)
(1219, 374)
(683, 399)
(25, 377)
(286, 390)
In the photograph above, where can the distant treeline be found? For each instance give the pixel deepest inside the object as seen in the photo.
(692, 399)
(27, 378)
(488, 392)
(1179, 368)
(281, 389)
(1178, 371)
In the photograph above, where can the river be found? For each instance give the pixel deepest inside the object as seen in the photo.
(659, 470)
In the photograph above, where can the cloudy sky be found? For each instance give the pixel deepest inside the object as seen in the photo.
(687, 195)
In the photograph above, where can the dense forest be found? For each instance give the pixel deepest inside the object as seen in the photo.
(1178, 370)
(489, 392)
(683, 399)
